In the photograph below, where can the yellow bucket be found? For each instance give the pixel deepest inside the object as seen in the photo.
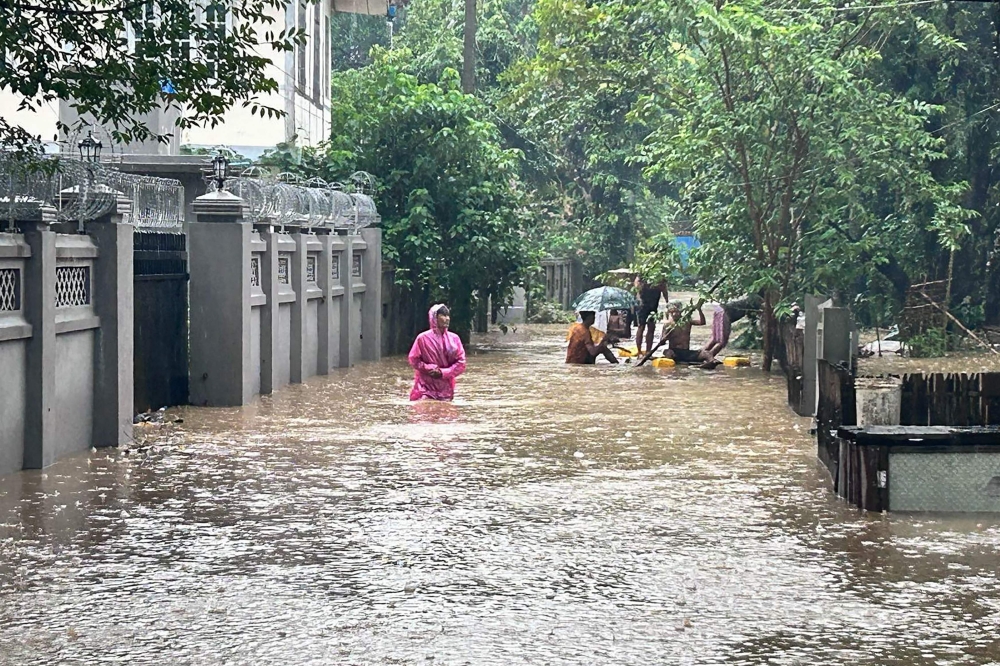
(626, 353)
(663, 363)
(735, 361)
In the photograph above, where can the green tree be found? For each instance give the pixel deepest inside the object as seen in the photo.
(958, 70)
(118, 59)
(569, 107)
(448, 192)
(354, 35)
(434, 32)
(786, 150)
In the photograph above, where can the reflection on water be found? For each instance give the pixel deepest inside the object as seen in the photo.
(551, 515)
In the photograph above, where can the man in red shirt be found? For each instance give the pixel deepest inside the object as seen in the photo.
(582, 349)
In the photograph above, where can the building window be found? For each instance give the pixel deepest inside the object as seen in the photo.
(72, 286)
(301, 49)
(311, 268)
(317, 57)
(326, 53)
(335, 268)
(356, 266)
(215, 20)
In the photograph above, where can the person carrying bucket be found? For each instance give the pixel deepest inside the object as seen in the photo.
(437, 358)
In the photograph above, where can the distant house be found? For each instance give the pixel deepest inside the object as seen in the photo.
(303, 77)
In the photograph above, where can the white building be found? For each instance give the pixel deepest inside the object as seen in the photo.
(303, 77)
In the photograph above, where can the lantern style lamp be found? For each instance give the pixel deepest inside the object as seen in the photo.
(90, 149)
(220, 165)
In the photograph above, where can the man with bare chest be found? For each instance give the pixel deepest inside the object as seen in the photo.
(677, 330)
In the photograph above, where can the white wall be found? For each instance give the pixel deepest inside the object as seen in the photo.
(308, 114)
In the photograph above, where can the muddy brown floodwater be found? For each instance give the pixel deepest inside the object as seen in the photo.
(552, 515)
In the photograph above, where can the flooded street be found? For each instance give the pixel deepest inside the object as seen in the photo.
(552, 515)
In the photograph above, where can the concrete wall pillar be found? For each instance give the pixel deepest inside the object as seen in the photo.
(40, 313)
(219, 256)
(269, 313)
(328, 280)
(355, 299)
(371, 311)
(305, 309)
(809, 368)
(348, 327)
(275, 327)
(113, 288)
(15, 335)
(337, 273)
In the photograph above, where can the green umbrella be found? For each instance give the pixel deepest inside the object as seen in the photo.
(604, 298)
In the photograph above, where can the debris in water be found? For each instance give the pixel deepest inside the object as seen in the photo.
(498, 450)
(578, 454)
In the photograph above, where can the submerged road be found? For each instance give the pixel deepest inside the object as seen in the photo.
(552, 515)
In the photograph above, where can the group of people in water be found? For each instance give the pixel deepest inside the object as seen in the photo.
(585, 347)
(438, 357)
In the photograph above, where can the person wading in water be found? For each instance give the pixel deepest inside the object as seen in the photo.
(649, 301)
(437, 358)
(723, 317)
(581, 349)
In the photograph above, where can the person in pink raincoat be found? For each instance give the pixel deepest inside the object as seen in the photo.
(437, 358)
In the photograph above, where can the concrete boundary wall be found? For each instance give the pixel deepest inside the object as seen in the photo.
(65, 339)
(297, 298)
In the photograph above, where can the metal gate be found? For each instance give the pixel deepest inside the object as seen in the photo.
(161, 320)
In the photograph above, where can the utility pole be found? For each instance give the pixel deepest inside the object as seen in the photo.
(469, 49)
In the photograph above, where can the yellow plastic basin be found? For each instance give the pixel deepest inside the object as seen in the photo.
(663, 363)
(735, 361)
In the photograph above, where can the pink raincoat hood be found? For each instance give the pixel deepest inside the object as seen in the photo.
(432, 315)
(436, 350)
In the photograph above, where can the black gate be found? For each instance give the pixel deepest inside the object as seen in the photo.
(161, 320)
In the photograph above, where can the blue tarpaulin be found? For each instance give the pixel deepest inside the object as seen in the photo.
(684, 245)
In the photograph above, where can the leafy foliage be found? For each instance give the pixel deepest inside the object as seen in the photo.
(658, 259)
(449, 194)
(354, 36)
(212, 54)
(569, 106)
(786, 150)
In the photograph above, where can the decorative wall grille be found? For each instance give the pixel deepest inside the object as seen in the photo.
(255, 271)
(356, 266)
(10, 289)
(310, 269)
(72, 286)
(283, 270)
(335, 268)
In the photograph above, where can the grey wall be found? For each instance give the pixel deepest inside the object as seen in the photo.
(14, 332)
(563, 280)
(275, 307)
(65, 339)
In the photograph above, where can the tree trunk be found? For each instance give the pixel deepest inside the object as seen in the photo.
(480, 323)
(769, 330)
(469, 49)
